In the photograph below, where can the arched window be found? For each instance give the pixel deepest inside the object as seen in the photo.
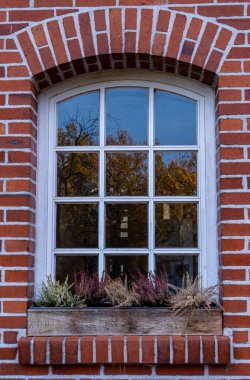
(127, 178)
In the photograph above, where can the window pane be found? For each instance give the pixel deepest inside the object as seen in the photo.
(77, 226)
(126, 225)
(175, 119)
(126, 266)
(77, 174)
(78, 120)
(175, 173)
(177, 267)
(126, 116)
(70, 265)
(126, 173)
(176, 225)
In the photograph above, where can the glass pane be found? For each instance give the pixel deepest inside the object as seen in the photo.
(71, 265)
(126, 225)
(177, 267)
(78, 120)
(77, 226)
(175, 119)
(77, 174)
(127, 116)
(176, 225)
(175, 173)
(126, 266)
(126, 173)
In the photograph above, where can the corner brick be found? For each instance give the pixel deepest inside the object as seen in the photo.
(56, 350)
(102, 349)
(87, 349)
(40, 350)
(178, 349)
(163, 349)
(223, 350)
(117, 346)
(25, 350)
(148, 344)
(132, 349)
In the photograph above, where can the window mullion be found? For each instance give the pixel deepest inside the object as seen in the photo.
(151, 181)
(102, 184)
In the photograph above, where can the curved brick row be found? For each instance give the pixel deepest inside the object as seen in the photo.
(151, 38)
(125, 350)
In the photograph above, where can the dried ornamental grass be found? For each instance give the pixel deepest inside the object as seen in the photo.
(119, 294)
(191, 296)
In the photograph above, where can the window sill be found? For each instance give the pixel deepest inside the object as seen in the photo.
(150, 350)
(121, 321)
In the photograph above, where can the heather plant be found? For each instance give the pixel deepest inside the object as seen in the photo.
(57, 294)
(89, 288)
(118, 293)
(191, 296)
(152, 290)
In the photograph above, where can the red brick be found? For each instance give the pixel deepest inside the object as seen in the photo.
(180, 370)
(163, 21)
(163, 349)
(231, 67)
(71, 350)
(234, 306)
(130, 42)
(235, 259)
(18, 246)
(10, 57)
(13, 369)
(19, 186)
(40, 350)
(13, 322)
(229, 95)
(53, 3)
(102, 43)
(234, 138)
(10, 337)
(205, 44)
(132, 349)
(56, 350)
(18, 276)
(8, 353)
(178, 349)
(127, 370)
(176, 36)
(208, 349)
(86, 33)
(24, 350)
(158, 44)
(87, 349)
(240, 336)
(148, 349)
(76, 370)
(95, 3)
(100, 21)
(130, 18)
(193, 349)
(194, 29)
(236, 290)
(223, 39)
(14, 4)
(230, 125)
(57, 42)
(145, 31)
(102, 349)
(233, 274)
(223, 350)
(15, 307)
(231, 214)
(117, 349)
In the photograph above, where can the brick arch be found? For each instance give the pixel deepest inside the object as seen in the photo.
(118, 38)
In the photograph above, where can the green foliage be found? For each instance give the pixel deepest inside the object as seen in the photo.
(56, 294)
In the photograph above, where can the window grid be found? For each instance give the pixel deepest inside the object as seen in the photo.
(151, 199)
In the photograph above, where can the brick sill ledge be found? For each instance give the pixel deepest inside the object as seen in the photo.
(131, 349)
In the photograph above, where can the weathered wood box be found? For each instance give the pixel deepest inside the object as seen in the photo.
(121, 321)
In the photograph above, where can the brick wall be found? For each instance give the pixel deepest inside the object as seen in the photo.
(48, 41)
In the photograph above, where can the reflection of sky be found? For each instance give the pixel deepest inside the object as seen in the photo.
(175, 119)
(84, 108)
(127, 109)
(168, 157)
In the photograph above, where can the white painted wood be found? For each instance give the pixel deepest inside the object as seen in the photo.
(207, 249)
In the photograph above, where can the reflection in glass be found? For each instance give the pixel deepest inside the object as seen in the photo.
(77, 174)
(78, 120)
(126, 173)
(77, 226)
(71, 265)
(175, 173)
(175, 119)
(126, 116)
(126, 225)
(176, 225)
(126, 266)
(177, 267)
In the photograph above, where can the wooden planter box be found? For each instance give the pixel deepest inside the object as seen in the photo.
(121, 321)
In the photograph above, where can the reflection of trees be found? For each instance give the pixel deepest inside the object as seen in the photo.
(126, 173)
(178, 176)
(79, 130)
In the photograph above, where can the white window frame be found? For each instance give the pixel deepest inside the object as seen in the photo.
(206, 166)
